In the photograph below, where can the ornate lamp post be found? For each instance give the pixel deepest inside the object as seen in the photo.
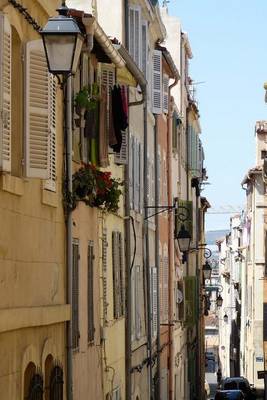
(63, 42)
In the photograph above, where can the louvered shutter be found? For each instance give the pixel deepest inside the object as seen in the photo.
(108, 80)
(136, 176)
(75, 295)
(165, 85)
(50, 183)
(165, 287)
(131, 171)
(137, 301)
(121, 158)
(154, 300)
(159, 187)
(144, 44)
(83, 82)
(121, 269)
(104, 273)
(135, 34)
(37, 110)
(118, 274)
(141, 182)
(5, 94)
(157, 83)
(90, 292)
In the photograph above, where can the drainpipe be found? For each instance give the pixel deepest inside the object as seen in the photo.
(147, 255)
(170, 243)
(69, 235)
(157, 264)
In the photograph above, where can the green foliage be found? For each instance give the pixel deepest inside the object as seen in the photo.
(96, 188)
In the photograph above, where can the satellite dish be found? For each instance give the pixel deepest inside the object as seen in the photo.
(180, 296)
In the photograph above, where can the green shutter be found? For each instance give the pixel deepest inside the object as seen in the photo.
(190, 300)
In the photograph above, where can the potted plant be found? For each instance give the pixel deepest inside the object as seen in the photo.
(81, 102)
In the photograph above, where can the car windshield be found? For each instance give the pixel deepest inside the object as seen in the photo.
(243, 387)
(232, 385)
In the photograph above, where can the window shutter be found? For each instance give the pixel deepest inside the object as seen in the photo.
(144, 44)
(159, 187)
(131, 171)
(141, 177)
(137, 289)
(165, 104)
(104, 272)
(37, 109)
(122, 156)
(154, 300)
(136, 176)
(90, 292)
(165, 294)
(75, 295)
(157, 83)
(118, 274)
(5, 94)
(108, 80)
(50, 183)
(121, 268)
(135, 34)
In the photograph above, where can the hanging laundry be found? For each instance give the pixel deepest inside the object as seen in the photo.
(120, 120)
(103, 129)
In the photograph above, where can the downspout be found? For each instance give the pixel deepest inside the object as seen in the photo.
(147, 255)
(170, 242)
(157, 264)
(69, 235)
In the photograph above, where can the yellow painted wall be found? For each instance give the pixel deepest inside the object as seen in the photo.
(32, 255)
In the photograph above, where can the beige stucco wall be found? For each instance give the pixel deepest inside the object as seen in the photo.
(33, 306)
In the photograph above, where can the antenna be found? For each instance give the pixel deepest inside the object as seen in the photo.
(165, 2)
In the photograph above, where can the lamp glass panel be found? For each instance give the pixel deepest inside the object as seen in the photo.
(184, 244)
(60, 52)
(78, 49)
(206, 273)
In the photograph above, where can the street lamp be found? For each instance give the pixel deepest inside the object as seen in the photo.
(219, 301)
(225, 318)
(63, 42)
(206, 270)
(183, 239)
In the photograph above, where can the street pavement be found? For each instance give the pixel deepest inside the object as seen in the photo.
(211, 378)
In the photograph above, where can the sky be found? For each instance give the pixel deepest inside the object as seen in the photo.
(229, 44)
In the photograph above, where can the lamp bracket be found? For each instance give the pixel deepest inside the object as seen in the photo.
(161, 208)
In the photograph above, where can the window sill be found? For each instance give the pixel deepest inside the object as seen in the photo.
(49, 198)
(12, 184)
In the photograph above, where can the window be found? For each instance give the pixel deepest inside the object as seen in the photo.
(75, 295)
(157, 83)
(165, 90)
(56, 383)
(154, 300)
(90, 291)
(165, 285)
(136, 174)
(137, 288)
(144, 43)
(263, 154)
(118, 274)
(104, 272)
(16, 104)
(33, 383)
(5, 94)
(40, 116)
(135, 34)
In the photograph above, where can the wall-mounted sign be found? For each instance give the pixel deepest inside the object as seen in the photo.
(259, 359)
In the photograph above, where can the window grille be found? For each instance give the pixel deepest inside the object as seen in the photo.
(56, 383)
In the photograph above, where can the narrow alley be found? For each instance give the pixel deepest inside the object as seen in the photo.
(133, 201)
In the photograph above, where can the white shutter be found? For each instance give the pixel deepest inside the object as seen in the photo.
(165, 294)
(141, 183)
(137, 301)
(122, 157)
(135, 34)
(165, 104)
(50, 184)
(144, 44)
(157, 83)
(5, 94)
(154, 300)
(131, 172)
(37, 111)
(108, 80)
(136, 176)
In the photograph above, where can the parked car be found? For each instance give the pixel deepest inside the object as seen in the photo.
(239, 383)
(229, 394)
(209, 355)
